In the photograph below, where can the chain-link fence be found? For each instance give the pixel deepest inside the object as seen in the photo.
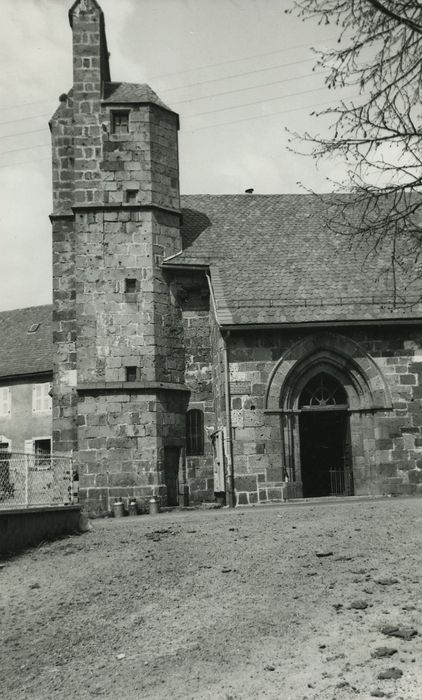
(36, 480)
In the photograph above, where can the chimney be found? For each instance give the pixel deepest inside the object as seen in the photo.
(90, 54)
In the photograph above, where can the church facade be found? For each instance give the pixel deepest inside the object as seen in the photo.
(213, 347)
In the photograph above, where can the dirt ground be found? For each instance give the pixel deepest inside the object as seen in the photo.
(284, 602)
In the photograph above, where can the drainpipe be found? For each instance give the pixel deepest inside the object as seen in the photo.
(228, 436)
(228, 443)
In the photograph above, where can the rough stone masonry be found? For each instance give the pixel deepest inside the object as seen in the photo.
(225, 343)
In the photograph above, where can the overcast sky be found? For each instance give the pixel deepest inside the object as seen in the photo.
(239, 72)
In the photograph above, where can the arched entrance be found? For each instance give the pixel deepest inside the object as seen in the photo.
(324, 433)
(322, 398)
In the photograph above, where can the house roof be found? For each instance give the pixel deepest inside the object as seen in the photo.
(131, 93)
(272, 260)
(21, 351)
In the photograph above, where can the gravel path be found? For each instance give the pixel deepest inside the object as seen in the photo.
(289, 602)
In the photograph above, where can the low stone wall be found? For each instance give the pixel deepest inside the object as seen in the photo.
(24, 527)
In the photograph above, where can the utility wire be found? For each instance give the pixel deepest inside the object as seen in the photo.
(246, 58)
(260, 116)
(25, 148)
(240, 75)
(212, 111)
(21, 133)
(253, 87)
(255, 102)
(24, 104)
(25, 119)
(23, 162)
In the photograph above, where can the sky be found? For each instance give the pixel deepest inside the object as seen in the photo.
(238, 72)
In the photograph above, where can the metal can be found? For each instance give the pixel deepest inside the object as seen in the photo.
(118, 508)
(153, 506)
(133, 507)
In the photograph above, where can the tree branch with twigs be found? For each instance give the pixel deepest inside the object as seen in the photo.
(378, 133)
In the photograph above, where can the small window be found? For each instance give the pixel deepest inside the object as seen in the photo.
(120, 122)
(5, 401)
(194, 432)
(131, 374)
(42, 450)
(131, 196)
(41, 399)
(131, 285)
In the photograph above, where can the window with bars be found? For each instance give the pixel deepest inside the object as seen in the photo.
(5, 401)
(120, 122)
(322, 391)
(41, 399)
(194, 432)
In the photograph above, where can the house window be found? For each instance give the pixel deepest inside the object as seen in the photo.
(131, 196)
(120, 122)
(131, 374)
(5, 401)
(41, 399)
(194, 432)
(42, 451)
(131, 285)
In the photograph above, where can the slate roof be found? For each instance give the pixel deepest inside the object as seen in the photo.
(273, 260)
(21, 352)
(131, 93)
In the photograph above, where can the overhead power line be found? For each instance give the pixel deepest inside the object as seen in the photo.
(254, 102)
(23, 162)
(261, 116)
(240, 75)
(245, 58)
(26, 148)
(21, 133)
(252, 87)
(25, 119)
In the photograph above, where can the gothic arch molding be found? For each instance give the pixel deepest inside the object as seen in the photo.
(337, 355)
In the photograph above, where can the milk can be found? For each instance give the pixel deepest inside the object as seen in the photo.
(118, 508)
(133, 507)
(153, 506)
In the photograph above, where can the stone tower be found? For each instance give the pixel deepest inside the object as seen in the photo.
(119, 394)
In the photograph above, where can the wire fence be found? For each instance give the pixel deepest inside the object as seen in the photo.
(28, 480)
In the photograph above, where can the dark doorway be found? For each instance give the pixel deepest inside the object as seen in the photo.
(325, 453)
(171, 474)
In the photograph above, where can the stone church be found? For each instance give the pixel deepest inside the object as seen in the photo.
(213, 347)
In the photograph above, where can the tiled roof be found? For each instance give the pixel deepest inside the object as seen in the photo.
(273, 260)
(130, 93)
(22, 352)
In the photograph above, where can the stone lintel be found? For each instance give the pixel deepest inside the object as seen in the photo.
(130, 386)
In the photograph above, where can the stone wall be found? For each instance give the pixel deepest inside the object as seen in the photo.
(387, 447)
(194, 300)
(119, 394)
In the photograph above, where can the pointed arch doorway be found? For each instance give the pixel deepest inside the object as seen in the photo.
(324, 434)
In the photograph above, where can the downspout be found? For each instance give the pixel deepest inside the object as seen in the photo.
(228, 442)
(228, 436)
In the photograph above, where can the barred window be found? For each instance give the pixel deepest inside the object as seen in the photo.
(194, 432)
(120, 122)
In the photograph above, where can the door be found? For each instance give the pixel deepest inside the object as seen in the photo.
(323, 447)
(171, 474)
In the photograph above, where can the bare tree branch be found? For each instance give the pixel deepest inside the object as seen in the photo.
(377, 133)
